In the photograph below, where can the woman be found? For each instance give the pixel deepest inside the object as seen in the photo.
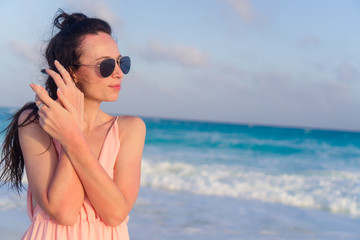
(82, 165)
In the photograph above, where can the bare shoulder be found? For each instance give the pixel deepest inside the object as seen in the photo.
(131, 121)
(131, 125)
(30, 131)
(29, 125)
(26, 118)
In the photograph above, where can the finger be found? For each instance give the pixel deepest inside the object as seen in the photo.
(43, 95)
(65, 102)
(59, 81)
(42, 108)
(40, 104)
(42, 115)
(64, 73)
(37, 100)
(58, 99)
(41, 122)
(41, 119)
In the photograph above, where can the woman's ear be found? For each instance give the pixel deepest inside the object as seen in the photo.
(72, 74)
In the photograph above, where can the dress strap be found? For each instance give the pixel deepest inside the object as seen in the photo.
(31, 207)
(110, 149)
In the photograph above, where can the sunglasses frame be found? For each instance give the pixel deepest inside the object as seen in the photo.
(117, 61)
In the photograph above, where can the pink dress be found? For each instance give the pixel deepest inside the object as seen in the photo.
(88, 225)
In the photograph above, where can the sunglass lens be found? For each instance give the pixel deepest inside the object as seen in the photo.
(107, 67)
(125, 64)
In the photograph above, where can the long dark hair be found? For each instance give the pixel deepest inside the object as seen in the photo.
(64, 46)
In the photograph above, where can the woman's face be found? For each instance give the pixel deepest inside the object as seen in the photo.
(96, 48)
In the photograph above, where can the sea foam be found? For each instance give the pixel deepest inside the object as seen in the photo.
(335, 191)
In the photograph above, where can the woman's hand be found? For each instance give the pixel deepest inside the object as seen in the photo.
(67, 87)
(62, 117)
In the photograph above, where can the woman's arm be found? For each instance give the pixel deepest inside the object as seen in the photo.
(52, 180)
(112, 199)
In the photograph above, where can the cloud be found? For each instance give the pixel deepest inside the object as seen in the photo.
(289, 89)
(308, 41)
(347, 72)
(244, 8)
(25, 51)
(100, 9)
(277, 96)
(177, 53)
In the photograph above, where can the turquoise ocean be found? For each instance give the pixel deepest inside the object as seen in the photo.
(205, 180)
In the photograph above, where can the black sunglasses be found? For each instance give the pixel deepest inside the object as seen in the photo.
(107, 66)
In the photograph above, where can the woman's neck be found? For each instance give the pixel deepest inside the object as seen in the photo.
(93, 116)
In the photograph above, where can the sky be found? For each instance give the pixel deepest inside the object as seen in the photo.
(274, 62)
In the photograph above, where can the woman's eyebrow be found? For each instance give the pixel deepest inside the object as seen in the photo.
(105, 57)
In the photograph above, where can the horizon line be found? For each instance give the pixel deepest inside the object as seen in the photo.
(189, 119)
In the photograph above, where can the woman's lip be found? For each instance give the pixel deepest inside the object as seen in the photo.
(116, 86)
